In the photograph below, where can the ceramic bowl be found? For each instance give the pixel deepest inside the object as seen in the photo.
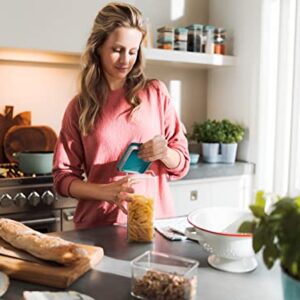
(194, 158)
(215, 228)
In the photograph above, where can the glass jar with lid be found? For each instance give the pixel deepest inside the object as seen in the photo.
(219, 41)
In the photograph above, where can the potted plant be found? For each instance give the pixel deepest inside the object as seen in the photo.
(209, 134)
(219, 139)
(276, 232)
(232, 133)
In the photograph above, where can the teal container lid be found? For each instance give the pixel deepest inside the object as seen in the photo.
(130, 162)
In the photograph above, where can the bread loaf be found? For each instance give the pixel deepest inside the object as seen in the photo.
(39, 244)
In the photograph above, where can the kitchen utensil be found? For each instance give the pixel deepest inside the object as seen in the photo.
(215, 228)
(130, 162)
(35, 162)
(152, 270)
(28, 138)
(48, 274)
(7, 121)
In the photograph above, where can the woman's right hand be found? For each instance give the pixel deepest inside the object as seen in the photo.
(118, 192)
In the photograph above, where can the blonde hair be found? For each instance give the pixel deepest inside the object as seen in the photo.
(93, 85)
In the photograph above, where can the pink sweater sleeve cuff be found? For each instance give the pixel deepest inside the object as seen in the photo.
(180, 170)
(63, 188)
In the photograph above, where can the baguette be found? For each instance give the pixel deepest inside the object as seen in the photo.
(40, 245)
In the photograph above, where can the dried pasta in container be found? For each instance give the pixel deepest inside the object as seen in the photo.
(140, 223)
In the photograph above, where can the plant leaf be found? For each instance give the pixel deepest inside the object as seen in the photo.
(258, 239)
(270, 254)
(247, 227)
(258, 211)
(260, 198)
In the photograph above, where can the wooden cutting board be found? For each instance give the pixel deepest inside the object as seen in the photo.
(8, 120)
(28, 138)
(49, 275)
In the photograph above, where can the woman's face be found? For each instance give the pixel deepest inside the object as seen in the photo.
(118, 54)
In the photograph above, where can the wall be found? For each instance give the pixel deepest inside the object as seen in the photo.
(64, 26)
(233, 92)
(42, 89)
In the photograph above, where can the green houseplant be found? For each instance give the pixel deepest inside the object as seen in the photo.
(276, 232)
(209, 134)
(218, 139)
(231, 132)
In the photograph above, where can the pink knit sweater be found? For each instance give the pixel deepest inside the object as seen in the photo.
(98, 153)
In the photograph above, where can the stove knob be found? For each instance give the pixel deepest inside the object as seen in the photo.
(20, 199)
(5, 200)
(34, 198)
(48, 197)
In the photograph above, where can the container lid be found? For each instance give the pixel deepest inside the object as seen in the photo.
(195, 26)
(130, 162)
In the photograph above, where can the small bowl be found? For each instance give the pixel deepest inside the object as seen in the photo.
(151, 270)
(194, 158)
(215, 228)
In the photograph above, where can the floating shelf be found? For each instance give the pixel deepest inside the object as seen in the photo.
(187, 59)
(153, 56)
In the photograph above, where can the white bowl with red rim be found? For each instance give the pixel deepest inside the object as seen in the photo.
(216, 229)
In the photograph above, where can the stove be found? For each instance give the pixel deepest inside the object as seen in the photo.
(31, 199)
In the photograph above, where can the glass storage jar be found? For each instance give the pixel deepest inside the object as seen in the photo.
(140, 219)
(161, 276)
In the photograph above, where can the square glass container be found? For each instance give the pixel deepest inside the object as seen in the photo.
(161, 276)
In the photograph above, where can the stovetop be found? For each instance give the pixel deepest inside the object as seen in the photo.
(26, 180)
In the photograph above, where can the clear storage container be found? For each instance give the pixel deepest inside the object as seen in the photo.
(140, 220)
(161, 276)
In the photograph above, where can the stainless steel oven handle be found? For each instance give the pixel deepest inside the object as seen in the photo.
(41, 221)
(69, 216)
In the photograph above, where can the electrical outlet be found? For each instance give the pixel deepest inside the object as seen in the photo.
(193, 195)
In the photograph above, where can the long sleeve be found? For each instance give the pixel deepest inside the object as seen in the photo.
(174, 135)
(68, 154)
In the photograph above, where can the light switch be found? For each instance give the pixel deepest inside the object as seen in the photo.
(193, 195)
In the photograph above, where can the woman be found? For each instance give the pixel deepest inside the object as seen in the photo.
(115, 106)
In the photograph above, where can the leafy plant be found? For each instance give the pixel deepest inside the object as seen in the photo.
(207, 132)
(231, 132)
(212, 131)
(277, 232)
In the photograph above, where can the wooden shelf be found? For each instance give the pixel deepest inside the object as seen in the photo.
(153, 56)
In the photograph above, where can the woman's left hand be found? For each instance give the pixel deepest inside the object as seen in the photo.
(154, 149)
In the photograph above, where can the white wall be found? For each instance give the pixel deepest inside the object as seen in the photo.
(64, 26)
(233, 92)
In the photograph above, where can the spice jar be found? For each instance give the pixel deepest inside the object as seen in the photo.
(140, 220)
(195, 37)
(219, 41)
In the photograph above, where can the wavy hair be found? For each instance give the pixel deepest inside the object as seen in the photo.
(93, 84)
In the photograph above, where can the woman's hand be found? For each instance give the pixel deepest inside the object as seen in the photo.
(118, 192)
(154, 149)
(157, 149)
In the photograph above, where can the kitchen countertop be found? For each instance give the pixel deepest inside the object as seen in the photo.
(110, 279)
(206, 170)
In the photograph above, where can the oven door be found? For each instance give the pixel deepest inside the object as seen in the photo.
(68, 219)
(41, 221)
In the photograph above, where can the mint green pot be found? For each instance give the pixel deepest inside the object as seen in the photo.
(291, 286)
(34, 162)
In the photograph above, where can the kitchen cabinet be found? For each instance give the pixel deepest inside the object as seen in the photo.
(230, 191)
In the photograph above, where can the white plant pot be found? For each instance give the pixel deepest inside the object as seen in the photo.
(210, 152)
(228, 152)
